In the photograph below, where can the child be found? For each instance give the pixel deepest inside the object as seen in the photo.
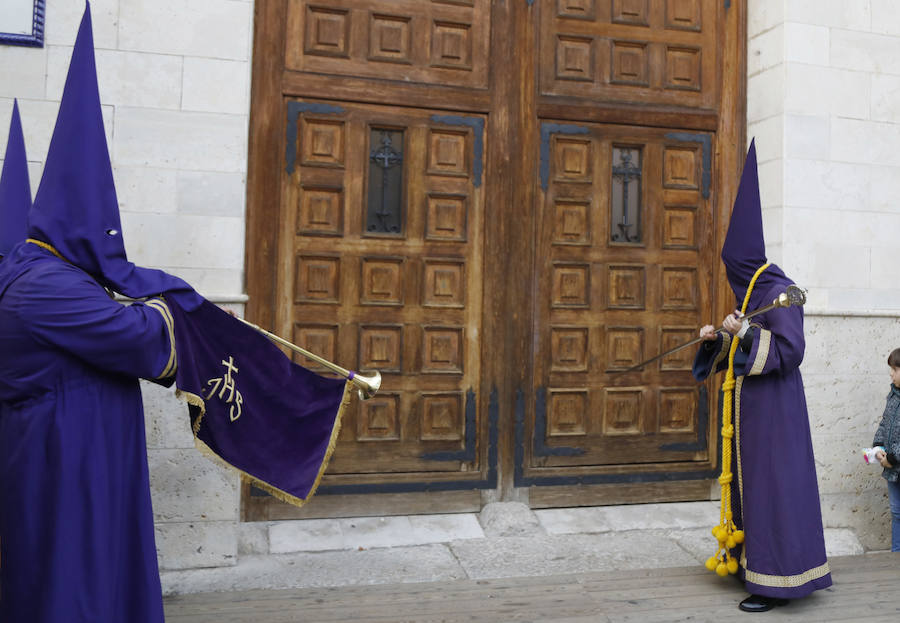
(888, 436)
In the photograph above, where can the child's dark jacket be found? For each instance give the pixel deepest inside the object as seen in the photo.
(888, 434)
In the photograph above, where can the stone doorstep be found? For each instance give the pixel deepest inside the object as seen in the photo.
(504, 519)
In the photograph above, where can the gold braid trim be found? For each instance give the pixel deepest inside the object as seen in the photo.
(48, 247)
(762, 352)
(738, 386)
(172, 364)
(723, 352)
(785, 581)
(275, 492)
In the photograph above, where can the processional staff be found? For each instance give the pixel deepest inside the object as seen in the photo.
(792, 296)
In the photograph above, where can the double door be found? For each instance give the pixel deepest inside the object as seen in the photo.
(501, 207)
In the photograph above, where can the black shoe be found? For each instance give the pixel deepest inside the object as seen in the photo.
(758, 603)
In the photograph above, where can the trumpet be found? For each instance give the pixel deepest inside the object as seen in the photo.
(366, 385)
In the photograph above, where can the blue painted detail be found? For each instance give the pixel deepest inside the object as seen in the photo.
(706, 141)
(36, 38)
(702, 425)
(539, 446)
(477, 125)
(727, 4)
(489, 482)
(493, 439)
(520, 480)
(547, 129)
(293, 113)
(530, 2)
(468, 452)
(519, 470)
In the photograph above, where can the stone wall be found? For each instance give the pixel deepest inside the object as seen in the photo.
(174, 81)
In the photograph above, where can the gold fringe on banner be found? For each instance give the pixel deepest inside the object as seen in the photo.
(284, 496)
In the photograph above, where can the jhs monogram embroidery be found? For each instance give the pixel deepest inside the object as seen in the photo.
(225, 384)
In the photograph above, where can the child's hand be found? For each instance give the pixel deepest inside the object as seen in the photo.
(882, 458)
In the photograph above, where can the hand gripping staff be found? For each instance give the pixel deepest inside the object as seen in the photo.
(792, 296)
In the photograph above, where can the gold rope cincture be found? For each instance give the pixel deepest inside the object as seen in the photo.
(48, 247)
(725, 531)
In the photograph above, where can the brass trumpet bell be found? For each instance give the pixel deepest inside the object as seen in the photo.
(367, 386)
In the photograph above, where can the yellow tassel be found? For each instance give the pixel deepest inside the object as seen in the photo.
(726, 533)
(711, 563)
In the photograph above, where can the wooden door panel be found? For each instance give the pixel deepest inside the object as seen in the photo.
(624, 226)
(631, 51)
(394, 285)
(431, 41)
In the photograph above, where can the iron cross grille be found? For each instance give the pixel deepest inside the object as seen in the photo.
(384, 213)
(626, 195)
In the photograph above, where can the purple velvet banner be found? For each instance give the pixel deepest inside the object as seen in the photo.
(251, 406)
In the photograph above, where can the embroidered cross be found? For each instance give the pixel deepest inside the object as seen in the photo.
(226, 383)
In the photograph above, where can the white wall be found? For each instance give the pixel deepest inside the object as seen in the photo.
(824, 105)
(174, 82)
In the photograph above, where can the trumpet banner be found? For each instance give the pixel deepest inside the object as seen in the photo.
(250, 406)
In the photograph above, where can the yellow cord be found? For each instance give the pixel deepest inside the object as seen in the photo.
(48, 247)
(725, 531)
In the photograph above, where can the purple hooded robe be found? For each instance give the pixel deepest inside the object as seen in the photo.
(76, 524)
(776, 500)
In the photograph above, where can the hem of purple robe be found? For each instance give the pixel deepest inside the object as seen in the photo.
(788, 592)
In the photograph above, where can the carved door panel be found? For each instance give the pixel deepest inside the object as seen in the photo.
(624, 231)
(382, 238)
(661, 52)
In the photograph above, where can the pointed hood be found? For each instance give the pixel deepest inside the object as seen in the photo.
(744, 250)
(15, 190)
(76, 209)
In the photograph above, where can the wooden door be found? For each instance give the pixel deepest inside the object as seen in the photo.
(499, 205)
(626, 247)
(378, 238)
(624, 233)
(396, 287)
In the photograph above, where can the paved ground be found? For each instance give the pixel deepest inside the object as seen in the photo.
(865, 589)
(506, 540)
